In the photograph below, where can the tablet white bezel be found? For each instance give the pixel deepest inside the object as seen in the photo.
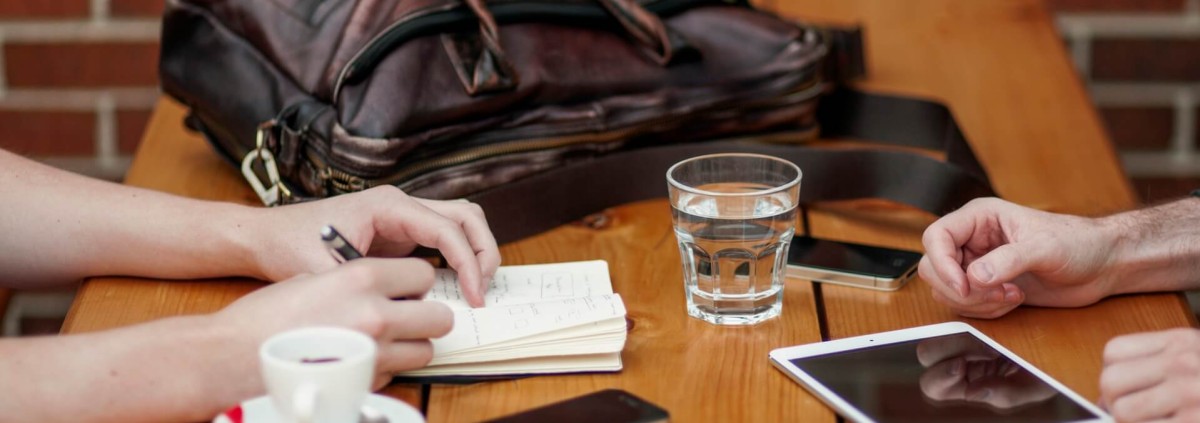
(782, 359)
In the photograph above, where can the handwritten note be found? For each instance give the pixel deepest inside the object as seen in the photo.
(545, 318)
(492, 325)
(529, 284)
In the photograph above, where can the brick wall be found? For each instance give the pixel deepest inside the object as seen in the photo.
(1141, 61)
(77, 80)
(77, 84)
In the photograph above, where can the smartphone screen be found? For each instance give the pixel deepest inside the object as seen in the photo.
(843, 262)
(607, 406)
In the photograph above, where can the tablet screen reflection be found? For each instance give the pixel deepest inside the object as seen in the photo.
(951, 378)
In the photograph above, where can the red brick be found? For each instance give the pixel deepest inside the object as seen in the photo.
(130, 126)
(78, 65)
(1134, 128)
(1146, 60)
(41, 326)
(24, 9)
(1115, 5)
(136, 8)
(1158, 190)
(43, 133)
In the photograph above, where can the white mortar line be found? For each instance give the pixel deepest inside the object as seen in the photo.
(106, 131)
(1081, 50)
(100, 11)
(1183, 141)
(1158, 164)
(85, 31)
(35, 304)
(1140, 94)
(12, 317)
(78, 99)
(89, 166)
(1150, 25)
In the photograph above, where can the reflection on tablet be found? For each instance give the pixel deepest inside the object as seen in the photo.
(951, 378)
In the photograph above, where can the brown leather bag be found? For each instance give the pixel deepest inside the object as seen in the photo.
(540, 110)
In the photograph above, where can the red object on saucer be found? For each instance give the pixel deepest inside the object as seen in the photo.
(234, 414)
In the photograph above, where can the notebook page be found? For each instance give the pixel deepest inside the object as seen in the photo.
(604, 336)
(490, 325)
(610, 362)
(529, 283)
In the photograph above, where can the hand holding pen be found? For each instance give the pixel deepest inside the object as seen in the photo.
(387, 223)
(334, 240)
(342, 249)
(344, 252)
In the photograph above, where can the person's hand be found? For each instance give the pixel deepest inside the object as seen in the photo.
(963, 369)
(380, 222)
(357, 295)
(992, 255)
(1153, 376)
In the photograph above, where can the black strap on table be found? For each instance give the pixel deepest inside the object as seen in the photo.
(538, 203)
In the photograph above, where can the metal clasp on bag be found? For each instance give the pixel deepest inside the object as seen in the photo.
(277, 193)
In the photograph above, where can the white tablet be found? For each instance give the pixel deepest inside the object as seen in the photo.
(947, 372)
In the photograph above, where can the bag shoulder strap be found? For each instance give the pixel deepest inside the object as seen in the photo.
(900, 121)
(540, 202)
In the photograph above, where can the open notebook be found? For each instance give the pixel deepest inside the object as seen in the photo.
(545, 318)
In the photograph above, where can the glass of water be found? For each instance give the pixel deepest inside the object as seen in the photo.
(734, 216)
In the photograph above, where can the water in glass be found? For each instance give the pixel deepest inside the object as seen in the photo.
(733, 252)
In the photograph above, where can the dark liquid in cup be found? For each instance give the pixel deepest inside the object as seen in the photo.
(307, 360)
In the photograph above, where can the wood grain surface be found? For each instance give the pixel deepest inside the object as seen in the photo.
(1066, 343)
(695, 370)
(1001, 68)
(997, 63)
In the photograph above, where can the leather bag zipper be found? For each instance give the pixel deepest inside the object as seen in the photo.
(343, 182)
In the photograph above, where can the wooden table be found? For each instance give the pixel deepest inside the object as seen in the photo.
(997, 63)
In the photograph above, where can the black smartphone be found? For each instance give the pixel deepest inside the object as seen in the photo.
(607, 406)
(857, 265)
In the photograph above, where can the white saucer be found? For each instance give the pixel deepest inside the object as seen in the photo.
(261, 410)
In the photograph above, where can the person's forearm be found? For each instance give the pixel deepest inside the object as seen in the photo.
(1157, 249)
(57, 227)
(177, 369)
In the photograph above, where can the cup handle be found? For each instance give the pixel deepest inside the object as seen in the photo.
(304, 402)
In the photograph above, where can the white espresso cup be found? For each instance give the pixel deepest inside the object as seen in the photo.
(318, 374)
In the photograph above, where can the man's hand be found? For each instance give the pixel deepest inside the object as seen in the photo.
(357, 295)
(381, 222)
(1153, 376)
(963, 369)
(992, 255)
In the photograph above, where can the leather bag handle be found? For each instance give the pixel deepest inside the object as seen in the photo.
(486, 69)
(483, 67)
(646, 28)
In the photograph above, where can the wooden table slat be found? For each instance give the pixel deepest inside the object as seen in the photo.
(696, 370)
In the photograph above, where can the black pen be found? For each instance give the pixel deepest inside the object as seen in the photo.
(338, 244)
(344, 251)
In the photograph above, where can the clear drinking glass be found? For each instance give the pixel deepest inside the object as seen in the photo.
(734, 217)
